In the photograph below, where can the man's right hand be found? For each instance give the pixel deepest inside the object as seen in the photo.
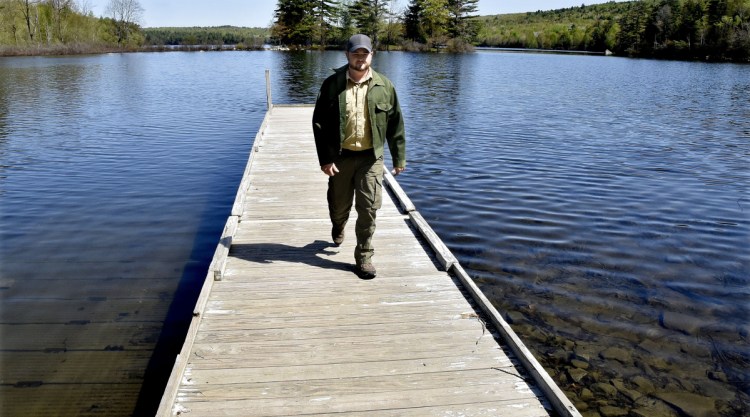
(330, 169)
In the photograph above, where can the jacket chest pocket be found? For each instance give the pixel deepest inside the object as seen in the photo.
(382, 111)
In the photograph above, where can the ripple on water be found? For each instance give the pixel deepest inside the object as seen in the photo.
(594, 220)
(601, 204)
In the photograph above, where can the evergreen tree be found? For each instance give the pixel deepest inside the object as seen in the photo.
(661, 24)
(412, 19)
(597, 36)
(325, 12)
(690, 15)
(633, 25)
(460, 26)
(739, 40)
(295, 22)
(717, 27)
(345, 20)
(368, 16)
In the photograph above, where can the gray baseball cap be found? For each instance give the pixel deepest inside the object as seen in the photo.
(359, 41)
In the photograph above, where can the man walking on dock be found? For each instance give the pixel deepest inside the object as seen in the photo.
(356, 112)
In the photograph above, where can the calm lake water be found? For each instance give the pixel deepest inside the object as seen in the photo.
(603, 204)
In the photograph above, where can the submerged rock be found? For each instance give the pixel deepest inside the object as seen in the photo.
(717, 391)
(515, 317)
(606, 389)
(659, 363)
(651, 346)
(680, 322)
(653, 407)
(579, 363)
(630, 394)
(619, 354)
(692, 405)
(718, 376)
(576, 374)
(610, 411)
(696, 350)
(643, 385)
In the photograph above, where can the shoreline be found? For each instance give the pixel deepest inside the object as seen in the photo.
(92, 49)
(72, 50)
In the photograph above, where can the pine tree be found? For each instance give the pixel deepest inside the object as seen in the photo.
(368, 16)
(325, 12)
(717, 30)
(633, 25)
(345, 19)
(412, 18)
(690, 15)
(295, 22)
(459, 25)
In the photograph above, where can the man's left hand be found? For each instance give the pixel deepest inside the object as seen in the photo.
(398, 170)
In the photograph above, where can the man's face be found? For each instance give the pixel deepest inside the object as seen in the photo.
(359, 60)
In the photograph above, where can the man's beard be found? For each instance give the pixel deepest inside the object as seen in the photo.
(364, 67)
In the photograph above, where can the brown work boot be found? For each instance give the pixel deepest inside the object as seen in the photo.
(366, 270)
(337, 235)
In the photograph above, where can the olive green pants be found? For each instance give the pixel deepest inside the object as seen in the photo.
(360, 179)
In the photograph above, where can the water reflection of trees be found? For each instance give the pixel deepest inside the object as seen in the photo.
(302, 72)
(4, 100)
(36, 95)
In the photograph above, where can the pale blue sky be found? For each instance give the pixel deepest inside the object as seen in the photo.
(259, 13)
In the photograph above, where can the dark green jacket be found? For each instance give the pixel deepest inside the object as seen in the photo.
(329, 118)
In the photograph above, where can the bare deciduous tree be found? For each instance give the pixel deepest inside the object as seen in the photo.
(84, 7)
(26, 9)
(59, 9)
(125, 13)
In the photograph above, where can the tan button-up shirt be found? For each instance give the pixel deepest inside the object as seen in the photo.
(357, 129)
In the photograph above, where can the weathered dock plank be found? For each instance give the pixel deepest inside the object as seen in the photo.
(289, 329)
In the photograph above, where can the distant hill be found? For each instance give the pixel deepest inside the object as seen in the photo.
(586, 28)
(217, 35)
(675, 29)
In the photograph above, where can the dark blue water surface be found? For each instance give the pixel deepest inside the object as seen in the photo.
(601, 203)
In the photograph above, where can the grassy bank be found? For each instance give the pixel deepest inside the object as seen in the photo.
(80, 49)
(51, 50)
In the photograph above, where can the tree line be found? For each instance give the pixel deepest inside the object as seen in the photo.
(239, 37)
(67, 26)
(677, 29)
(717, 29)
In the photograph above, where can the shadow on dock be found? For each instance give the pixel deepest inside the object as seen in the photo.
(309, 254)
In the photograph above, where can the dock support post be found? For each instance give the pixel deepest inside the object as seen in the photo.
(269, 101)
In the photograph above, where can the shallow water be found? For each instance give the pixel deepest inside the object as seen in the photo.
(601, 203)
(604, 205)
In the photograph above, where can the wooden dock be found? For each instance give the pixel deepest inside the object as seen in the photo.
(284, 327)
